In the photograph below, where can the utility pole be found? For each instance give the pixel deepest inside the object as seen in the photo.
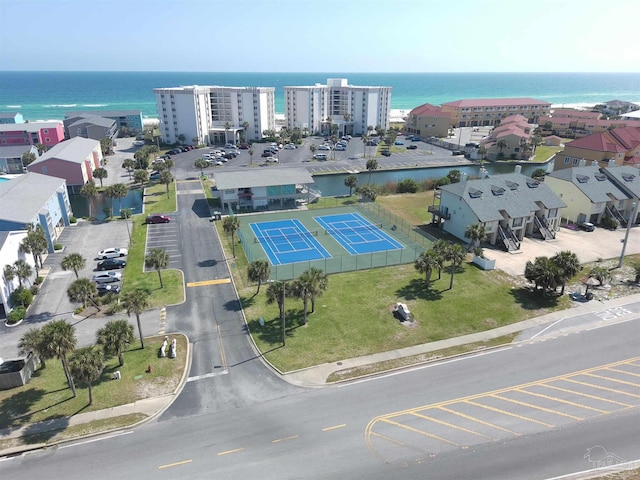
(632, 218)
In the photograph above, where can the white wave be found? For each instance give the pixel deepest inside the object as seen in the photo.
(14, 106)
(68, 105)
(577, 106)
(95, 105)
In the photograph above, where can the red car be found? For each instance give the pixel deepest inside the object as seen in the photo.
(157, 219)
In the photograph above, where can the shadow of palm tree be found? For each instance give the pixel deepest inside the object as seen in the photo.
(42, 432)
(15, 410)
(534, 300)
(416, 289)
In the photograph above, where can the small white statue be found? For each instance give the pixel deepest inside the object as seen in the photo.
(172, 352)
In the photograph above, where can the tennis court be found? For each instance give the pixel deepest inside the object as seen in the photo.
(288, 241)
(356, 234)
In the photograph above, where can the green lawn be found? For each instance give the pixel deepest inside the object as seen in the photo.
(544, 153)
(156, 200)
(47, 396)
(354, 317)
(410, 206)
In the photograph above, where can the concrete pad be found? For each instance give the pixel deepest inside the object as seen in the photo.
(588, 246)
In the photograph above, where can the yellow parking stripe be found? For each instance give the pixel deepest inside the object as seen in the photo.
(421, 432)
(396, 441)
(537, 407)
(586, 384)
(504, 412)
(447, 424)
(175, 464)
(623, 371)
(560, 400)
(585, 395)
(209, 282)
(612, 379)
(477, 420)
(188, 181)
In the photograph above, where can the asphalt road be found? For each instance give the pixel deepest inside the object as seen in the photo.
(325, 433)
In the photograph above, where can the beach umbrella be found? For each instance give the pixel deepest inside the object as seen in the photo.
(591, 281)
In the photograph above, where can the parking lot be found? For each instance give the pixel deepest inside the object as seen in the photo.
(165, 236)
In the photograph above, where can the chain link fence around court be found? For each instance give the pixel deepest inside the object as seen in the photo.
(414, 240)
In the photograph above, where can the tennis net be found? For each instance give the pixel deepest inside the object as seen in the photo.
(291, 237)
(350, 230)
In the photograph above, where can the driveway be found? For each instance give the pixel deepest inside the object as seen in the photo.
(588, 246)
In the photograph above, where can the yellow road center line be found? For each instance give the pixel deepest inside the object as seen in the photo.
(175, 464)
(537, 407)
(504, 412)
(447, 424)
(623, 371)
(568, 402)
(586, 384)
(612, 379)
(421, 432)
(334, 427)
(230, 451)
(477, 420)
(585, 395)
(284, 439)
(204, 283)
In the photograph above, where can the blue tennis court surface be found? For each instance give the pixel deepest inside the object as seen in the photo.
(357, 234)
(288, 241)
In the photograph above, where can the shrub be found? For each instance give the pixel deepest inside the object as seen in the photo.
(17, 314)
(78, 310)
(57, 246)
(408, 185)
(34, 289)
(22, 296)
(73, 220)
(114, 308)
(478, 252)
(609, 223)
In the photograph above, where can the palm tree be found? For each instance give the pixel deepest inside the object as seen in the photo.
(313, 148)
(602, 274)
(425, 264)
(33, 341)
(135, 302)
(441, 249)
(89, 191)
(129, 164)
(20, 270)
(28, 158)
(100, 173)
(166, 178)
(82, 291)
(543, 273)
(158, 258)
(477, 233)
(73, 261)
(86, 365)
(114, 337)
(201, 163)
(568, 265)
(251, 152)
(482, 151)
(318, 284)
(227, 127)
(501, 144)
(231, 224)
(60, 338)
(258, 271)
(41, 148)
(275, 294)
(300, 289)
(35, 243)
(119, 191)
(539, 174)
(372, 165)
(245, 127)
(456, 255)
(140, 176)
(352, 182)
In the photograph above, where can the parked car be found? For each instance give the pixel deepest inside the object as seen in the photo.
(340, 148)
(157, 219)
(138, 143)
(229, 145)
(412, 147)
(324, 147)
(112, 253)
(104, 288)
(107, 277)
(111, 264)
(587, 226)
(320, 156)
(244, 146)
(266, 153)
(219, 163)
(271, 160)
(290, 146)
(399, 142)
(155, 175)
(385, 153)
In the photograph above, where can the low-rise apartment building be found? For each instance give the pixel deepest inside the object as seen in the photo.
(576, 123)
(90, 126)
(214, 115)
(11, 117)
(511, 139)
(351, 108)
(491, 111)
(129, 120)
(32, 133)
(428, 121)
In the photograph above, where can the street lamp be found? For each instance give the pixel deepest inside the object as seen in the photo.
(632, 218)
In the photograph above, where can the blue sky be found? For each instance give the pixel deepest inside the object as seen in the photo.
(320, 36)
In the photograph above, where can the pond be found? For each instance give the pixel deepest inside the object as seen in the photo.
(80, 204)
(332, 185)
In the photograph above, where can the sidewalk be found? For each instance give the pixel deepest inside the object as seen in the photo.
(316, 376)
(313, 376)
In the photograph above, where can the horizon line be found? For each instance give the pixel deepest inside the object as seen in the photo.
(321, 72)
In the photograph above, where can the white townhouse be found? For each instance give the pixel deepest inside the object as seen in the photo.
(214, 115)
(352, 108)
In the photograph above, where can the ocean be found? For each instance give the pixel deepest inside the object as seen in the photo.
(48, 95)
